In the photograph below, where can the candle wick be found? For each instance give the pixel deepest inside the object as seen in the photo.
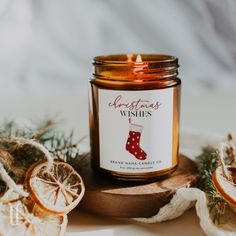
(129, 58)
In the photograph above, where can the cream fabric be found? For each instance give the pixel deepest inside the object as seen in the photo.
(182, 201)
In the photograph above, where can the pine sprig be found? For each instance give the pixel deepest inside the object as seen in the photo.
(45, 130)
(60, 143)
(63, 147)
(207, 164)
(9, 128)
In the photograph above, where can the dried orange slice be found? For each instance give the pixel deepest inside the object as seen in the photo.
(16, 219)
(56, 190)
(225, 187)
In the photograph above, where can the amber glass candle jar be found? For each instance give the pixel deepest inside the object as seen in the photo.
(134, 116)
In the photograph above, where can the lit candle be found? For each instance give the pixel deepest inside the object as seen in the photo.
(134, 116)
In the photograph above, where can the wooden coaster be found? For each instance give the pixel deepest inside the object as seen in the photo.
(107, 197)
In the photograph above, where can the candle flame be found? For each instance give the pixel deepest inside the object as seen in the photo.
(139, 59)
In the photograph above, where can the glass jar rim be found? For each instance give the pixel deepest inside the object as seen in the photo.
(126, 67)
(136, 59)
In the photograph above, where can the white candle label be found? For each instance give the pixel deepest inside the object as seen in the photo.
(136, 130)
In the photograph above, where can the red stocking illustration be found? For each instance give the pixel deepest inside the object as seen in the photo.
(133, 141)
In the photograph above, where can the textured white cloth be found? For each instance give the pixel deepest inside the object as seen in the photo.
(185, 198)
(182, 201)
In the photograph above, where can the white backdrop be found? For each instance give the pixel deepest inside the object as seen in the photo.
(46, 46)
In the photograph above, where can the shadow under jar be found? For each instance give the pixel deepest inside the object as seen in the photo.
(134, 116)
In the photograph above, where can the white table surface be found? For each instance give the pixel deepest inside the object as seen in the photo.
(213, 113)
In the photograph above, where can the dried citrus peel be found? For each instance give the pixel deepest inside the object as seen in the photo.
(16, 219)
(226, 188)
(57, 190)
(224, 177)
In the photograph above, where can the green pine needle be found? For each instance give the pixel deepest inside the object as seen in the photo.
(207, 164)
